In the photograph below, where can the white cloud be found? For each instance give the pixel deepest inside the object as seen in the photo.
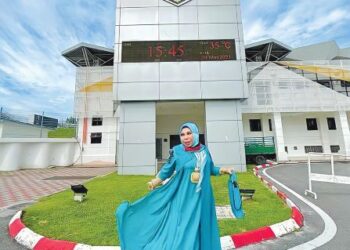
(296, 22)
(32, 36)
(4, 91)
(34, 33)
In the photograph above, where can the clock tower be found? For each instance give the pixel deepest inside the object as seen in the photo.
(178, 61)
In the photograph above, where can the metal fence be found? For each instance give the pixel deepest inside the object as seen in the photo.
(24, 124)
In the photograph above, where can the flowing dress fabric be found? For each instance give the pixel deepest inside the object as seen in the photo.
(173, 216)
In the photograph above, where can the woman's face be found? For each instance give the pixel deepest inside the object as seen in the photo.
(186, 137)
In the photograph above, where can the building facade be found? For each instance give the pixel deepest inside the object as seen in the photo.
(177, 61)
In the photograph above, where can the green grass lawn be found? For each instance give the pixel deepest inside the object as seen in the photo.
(62, 133)
(92, 221)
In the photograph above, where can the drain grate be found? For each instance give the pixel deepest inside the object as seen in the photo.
(53, 178)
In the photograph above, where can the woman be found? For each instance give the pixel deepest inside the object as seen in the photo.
(181, 213)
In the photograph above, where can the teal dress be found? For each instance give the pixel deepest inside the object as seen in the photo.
(176, 215)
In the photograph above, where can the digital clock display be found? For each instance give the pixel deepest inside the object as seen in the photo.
(179, 51)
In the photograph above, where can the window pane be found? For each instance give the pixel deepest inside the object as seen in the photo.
(97, 121)
(331, 123)
(255, 125)
(335, 148)
(270, 125)
(311, 123)
(96, 138)
(314, 149)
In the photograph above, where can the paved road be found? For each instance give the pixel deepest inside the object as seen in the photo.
(334, 199)
(5, 216)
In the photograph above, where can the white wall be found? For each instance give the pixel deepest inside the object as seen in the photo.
(225, 133)
(12, 129)
(99, 152)
(295, 133)
(94, 103)
(24, 153)
(264, 124)
(153, 20)
(90, 102)
(136, 144)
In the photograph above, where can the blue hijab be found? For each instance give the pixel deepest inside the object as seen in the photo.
(195, 132)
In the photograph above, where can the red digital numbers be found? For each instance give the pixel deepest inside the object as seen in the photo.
(160, 51)
(172, 51)
(219, 44)
(179, 50)
(214, 45)
(227, 44)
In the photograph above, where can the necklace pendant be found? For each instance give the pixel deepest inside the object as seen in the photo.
(195, 176)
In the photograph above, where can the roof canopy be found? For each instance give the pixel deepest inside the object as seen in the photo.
(266, 50)
(87, 55)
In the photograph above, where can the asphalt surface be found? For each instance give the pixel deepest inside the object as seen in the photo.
(5, 216)
(334, 199)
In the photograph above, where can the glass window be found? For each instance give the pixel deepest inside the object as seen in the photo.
(335, 148)
(97, 121)
(255, 124)
(270, 125)
(331, 123)
(96, 138)
(314, 149)
(311, 123)
(345, 84)
(325, 83)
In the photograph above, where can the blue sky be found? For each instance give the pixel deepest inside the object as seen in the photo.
(34, 77)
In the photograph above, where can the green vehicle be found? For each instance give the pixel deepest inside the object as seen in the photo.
(258, 149)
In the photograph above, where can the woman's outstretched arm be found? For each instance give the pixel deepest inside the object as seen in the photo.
(166, 171)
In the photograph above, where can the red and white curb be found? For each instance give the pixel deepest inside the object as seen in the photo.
(269, 232)
(32, 240)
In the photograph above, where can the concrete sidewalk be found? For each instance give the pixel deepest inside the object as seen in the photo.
(21, 188)
(27, 185)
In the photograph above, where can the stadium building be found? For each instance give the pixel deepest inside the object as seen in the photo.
(176, 61)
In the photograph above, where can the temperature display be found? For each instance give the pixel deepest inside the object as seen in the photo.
(178, 51)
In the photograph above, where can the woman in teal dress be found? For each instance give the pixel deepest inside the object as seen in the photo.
(181, 213)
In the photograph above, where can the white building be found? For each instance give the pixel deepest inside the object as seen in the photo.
(172, 64)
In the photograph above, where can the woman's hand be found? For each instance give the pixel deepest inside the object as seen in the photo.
(226, 170)
(154, 183)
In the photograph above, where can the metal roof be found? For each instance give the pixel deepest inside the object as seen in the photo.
(266, 50)
(89, 55)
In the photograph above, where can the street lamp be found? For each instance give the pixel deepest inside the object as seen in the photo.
(79, 192)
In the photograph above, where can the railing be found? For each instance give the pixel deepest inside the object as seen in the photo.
(332, 178)
(268, 140)
(259, 145)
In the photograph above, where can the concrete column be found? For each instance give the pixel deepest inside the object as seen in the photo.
(324, 131)
(224, 133)
(136, 145)
(344, 132)
(279, 139)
